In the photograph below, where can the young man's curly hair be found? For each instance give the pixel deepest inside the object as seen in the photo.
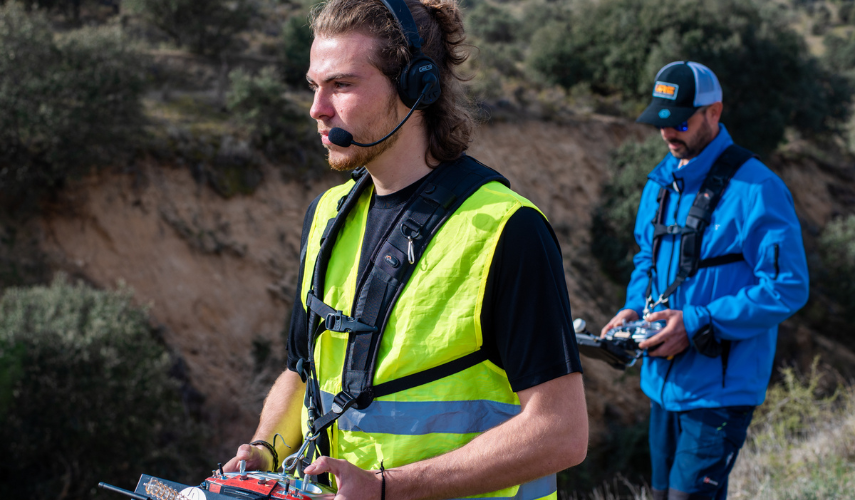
(449, 120)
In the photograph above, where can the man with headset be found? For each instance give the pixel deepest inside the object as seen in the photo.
(431, 352)
(721, 262)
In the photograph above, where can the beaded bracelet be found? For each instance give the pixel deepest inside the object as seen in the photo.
(272, 452)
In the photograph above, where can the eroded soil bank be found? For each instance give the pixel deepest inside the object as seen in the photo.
(219, 274)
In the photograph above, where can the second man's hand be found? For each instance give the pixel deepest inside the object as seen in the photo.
(672, 339)
(624, 316)
(353, 483)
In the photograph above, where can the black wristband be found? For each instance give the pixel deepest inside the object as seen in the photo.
(272, 452)
(382, 481)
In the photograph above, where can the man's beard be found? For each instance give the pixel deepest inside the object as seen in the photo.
(701, 140)
(365, 156)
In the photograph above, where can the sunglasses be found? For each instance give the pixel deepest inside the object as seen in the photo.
(685, 125)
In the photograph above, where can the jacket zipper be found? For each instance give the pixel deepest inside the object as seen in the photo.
(777, 270)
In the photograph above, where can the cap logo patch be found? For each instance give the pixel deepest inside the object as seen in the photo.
(665, 90)
(664, 113)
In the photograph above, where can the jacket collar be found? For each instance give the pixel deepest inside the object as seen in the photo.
(692, 175)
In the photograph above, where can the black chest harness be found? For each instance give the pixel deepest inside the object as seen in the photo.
(697, 221)
(691, 234)
(390, 267)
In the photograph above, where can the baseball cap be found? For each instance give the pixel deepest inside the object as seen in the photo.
(680, 88)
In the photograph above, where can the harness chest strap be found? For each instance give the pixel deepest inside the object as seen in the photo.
(691, 234)
(390, 267)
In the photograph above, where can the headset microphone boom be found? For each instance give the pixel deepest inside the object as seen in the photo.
(343, 138)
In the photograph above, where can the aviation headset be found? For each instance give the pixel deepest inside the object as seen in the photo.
(414, 76)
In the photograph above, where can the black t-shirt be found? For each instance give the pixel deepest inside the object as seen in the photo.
(525, 320)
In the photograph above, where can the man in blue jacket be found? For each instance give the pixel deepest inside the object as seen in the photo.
(721, 279)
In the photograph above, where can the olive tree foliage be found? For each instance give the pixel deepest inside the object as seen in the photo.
(769, 80)
(205, 27)
(612, 239)
(86, 395)
(66, 102)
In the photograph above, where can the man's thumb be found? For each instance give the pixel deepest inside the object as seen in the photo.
(656, 316)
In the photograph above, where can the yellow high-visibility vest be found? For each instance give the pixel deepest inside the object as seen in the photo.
(436, 319)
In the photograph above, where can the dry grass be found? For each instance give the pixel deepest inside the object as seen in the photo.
(801, 445)
(618, 489)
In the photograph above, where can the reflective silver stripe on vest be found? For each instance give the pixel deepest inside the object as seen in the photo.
(533, 490)
(414, 418)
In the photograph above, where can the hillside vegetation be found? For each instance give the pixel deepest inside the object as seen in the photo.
(168, 142)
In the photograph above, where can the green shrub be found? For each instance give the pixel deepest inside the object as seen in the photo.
(553, 54)
(86, 396)
(795, 405)
(66, 103)
(277, 125)
(492, 23)
(839, 53)
(296, 44)
(612, 240)
(837, 249)
(204, 26)
(538, 13)
(846, 12)
(770, 81)
(821, 20)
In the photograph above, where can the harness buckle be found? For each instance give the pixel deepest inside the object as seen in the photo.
(339, 322)
(649, 305)
(342, 402)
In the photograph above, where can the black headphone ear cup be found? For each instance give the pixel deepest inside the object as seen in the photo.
(413, 79)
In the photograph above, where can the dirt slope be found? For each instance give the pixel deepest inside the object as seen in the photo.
(219, 275)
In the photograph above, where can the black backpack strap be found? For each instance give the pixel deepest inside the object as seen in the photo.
(315, 294)
(431, 374)
(658, 232)
(705, 203)
(390, 267)
(700, 214)
(328, 239)
(659, 222)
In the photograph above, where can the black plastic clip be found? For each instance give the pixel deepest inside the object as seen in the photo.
(342, 402)
(301, 369)
(338, 322)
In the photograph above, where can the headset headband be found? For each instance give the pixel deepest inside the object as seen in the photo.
(402, 14)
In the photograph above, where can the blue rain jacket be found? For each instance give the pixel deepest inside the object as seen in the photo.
(744, 301)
